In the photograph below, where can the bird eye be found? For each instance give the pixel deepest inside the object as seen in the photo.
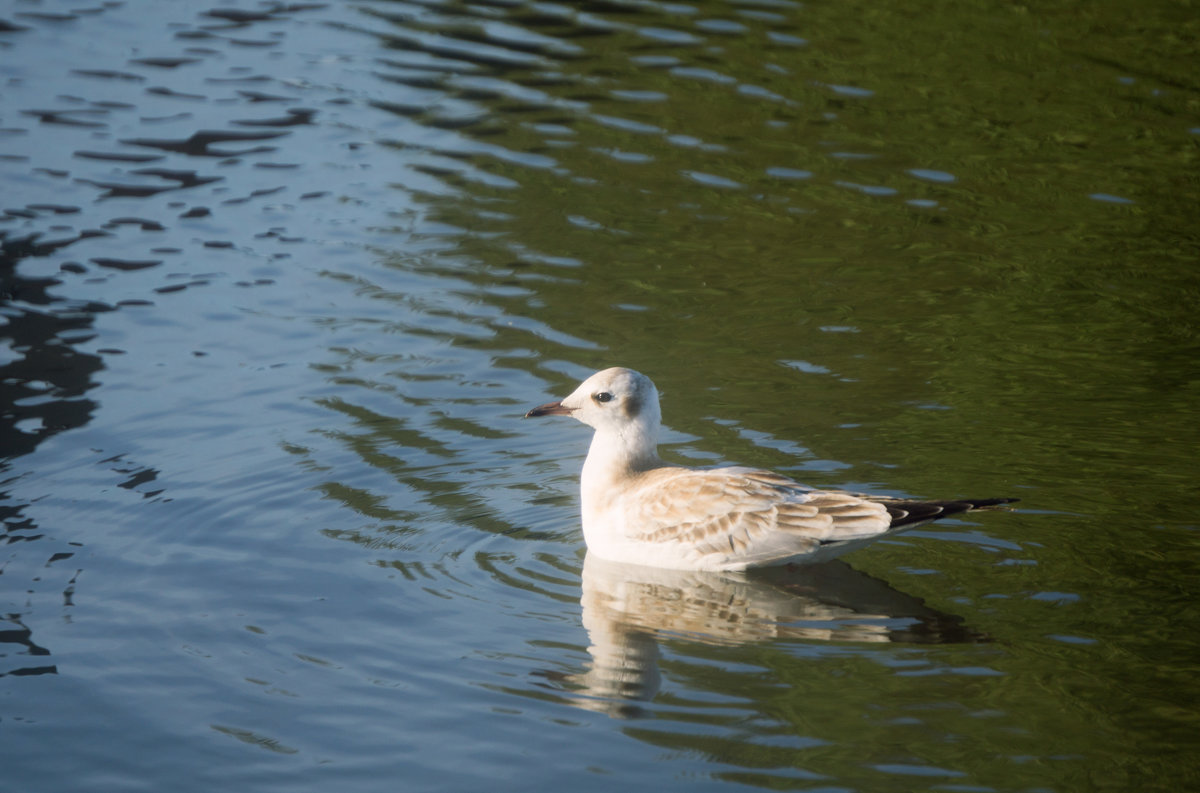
(603, 396)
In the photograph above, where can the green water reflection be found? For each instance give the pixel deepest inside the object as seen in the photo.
(937, 249)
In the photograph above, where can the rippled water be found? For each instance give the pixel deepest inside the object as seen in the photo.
(280, 280)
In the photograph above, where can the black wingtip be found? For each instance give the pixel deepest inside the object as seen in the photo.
(985, 503)
(911, 513)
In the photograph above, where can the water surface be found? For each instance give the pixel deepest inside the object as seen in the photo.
(279, 281)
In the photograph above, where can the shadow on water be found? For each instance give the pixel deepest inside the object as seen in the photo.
(43, 385)
(45, 378)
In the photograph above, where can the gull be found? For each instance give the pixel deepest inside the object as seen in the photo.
(639, 509)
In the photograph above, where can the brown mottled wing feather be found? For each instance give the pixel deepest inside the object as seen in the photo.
(750, 515)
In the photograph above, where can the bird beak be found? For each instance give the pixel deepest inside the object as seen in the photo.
(549, 409)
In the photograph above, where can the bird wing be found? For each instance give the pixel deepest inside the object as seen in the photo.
(739, 517)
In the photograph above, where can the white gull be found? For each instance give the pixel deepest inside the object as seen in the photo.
(640, 509)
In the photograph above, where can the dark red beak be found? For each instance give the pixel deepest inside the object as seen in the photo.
(549, 409)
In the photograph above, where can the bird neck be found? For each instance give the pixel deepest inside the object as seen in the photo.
(616, 455)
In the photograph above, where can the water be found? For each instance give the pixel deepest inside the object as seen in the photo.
(279, 282)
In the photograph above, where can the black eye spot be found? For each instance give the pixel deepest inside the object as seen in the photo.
(602, 396)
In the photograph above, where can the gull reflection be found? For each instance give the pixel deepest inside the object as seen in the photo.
(629, 609)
